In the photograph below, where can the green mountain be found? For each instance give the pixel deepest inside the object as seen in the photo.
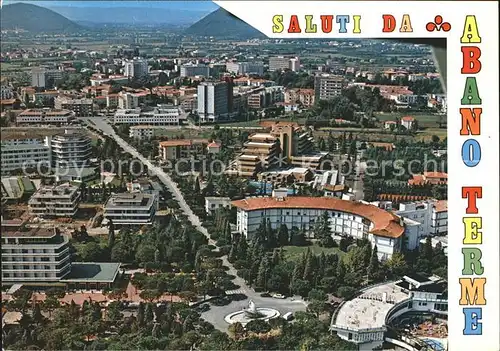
(223, 24)
(34, 18)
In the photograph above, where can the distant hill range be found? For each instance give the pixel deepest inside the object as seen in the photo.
(34, 18)
(131, 15)
(222, 23)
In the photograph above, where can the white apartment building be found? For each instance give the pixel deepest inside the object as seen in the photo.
(24, 153)
(55, 201)
(439, 220)
(131, 209)
(213, 101)
(431, 214)
(192, 70)
(43, 78)
(213, 203)
(45, 116)
(165, 115)
(126, 101)
(242, 68)
(141, 132)
(347, 218)
(280, 63)
(135, 68)
(71, 149)
(420, 212)
(35, 256)
(327, 86)
(294, 64)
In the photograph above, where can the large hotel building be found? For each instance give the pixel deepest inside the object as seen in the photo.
(71, 149)
(34, 255)
(383, 229)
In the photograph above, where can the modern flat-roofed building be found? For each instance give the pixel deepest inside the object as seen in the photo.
(265, 97)
(431, 214)
(301, 96)
(327, 86)
(160, 115)
(125, 101)
(182, 148)
(24, 153)
(255, 67)
(192, 70)
(55, 201)
(45, 78)
(213, 101)
(81, 107)
(439, 220)
(131, 209)
(213, 203)
(280, 63)
(347, 218)
(35, 255)
(45, 116)
(71, 149)
(135, 68)
(364, 320)
(141, 132)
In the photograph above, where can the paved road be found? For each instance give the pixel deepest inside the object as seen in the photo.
(104, 126)
(358, 182)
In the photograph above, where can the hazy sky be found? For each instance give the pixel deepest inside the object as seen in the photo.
(185, 5)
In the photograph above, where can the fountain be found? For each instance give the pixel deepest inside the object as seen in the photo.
(251, 313)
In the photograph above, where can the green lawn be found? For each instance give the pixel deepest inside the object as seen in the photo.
(425, 120)
(253, 123)
(426, 135)
(292, 253)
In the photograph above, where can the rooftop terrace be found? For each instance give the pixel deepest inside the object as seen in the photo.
(368, 311)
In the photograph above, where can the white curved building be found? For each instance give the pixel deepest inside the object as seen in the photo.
(347, 218)
(365, 319)
(71, 149)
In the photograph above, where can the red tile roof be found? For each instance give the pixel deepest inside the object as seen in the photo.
(400, 198)
(441, 206)
(384, 223)
(435, 175)
(182, 142)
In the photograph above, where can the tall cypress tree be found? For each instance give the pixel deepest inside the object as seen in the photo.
(374, 266)
(283, 236)
(140, 314)
(148, 314)
(111, 234)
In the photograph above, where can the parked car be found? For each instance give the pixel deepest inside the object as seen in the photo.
(288, 316)
(265, 294)
(279, 296)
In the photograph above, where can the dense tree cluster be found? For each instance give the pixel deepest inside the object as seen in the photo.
(290, 79)
(167, 326)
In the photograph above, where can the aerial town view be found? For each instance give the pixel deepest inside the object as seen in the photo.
(170, 184)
